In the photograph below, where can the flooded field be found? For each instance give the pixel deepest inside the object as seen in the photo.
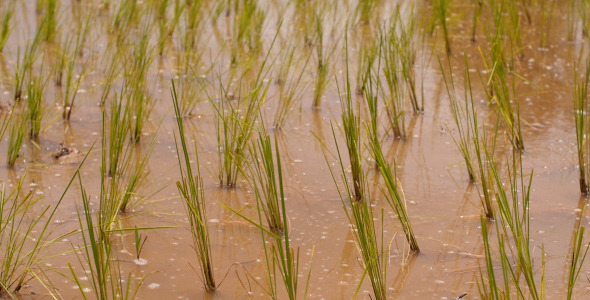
(234, 149)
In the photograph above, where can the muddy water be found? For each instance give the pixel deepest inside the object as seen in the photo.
(444, 208)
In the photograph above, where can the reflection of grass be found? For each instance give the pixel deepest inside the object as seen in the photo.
(192, 192)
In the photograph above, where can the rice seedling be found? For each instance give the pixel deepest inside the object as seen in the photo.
(441, 10)
(323, 56)
(585, 16)
(291, 73)
(234, 126)
(367, 55)
(582, 123)
(577, 254)
(24, 65)
(136, 69)
(513, 237)
(463, 119)
(234, 122)
(5, 24)
(268, 185)
(355, 201)
(514, 29)
(351, 124)
(469, 141)
(407, 56)
(477, 8)
(103, 270)
(264, 181)
(5, 119)
(190, 95)
(139, 242)
(372, 99)
(396, 93)
(503, 94)
(73, 80)
(35, 105)
(359, 212)
(136, 173)
(118, 134)
(24, 234)
(572, 21)
(393, 192)
(126, 15)
(192, 192)
(247, 30)
(365, 9)
(111, 75)
(546, 14)
(49, 25)
(18, 127)
(193, 20)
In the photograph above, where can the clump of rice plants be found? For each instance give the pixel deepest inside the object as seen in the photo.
(513, 238)
(192, 192)
(582, 123)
